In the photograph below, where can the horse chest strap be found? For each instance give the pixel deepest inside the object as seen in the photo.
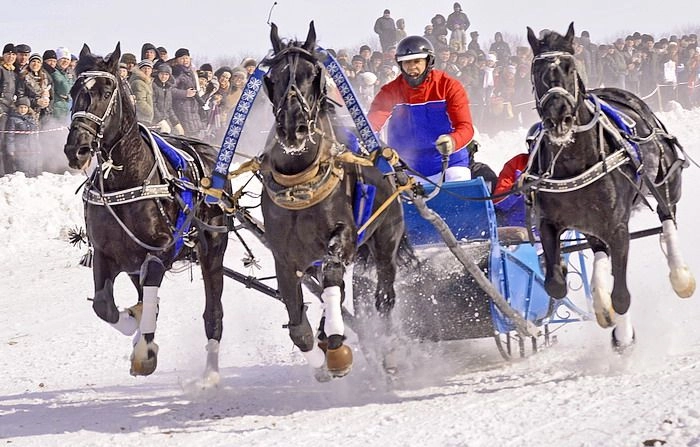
(308, 194)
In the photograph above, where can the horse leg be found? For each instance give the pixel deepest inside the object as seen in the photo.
(623, 333)
(289, 284)
(385, 246)
(104, 273)
(601, 286)
(554, 279)
(213, 273)
(144, 357)
(340, 250)
(682, 280)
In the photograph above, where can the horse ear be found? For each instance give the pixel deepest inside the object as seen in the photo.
(275, 38)
(85, 50)
(113, 61)
(570, 33)
(534, 42)
(310, 43)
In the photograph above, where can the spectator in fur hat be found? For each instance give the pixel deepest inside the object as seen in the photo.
(249, 64)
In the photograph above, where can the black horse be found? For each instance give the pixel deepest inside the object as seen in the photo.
(307, 204)
(589, 175)
(137, 213)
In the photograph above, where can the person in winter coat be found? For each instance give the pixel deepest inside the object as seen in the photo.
(149, 52)
(38, 87)
(140, 82)
(22, 144)
(500, 48)
(457, 17)
(439, 28)
(385, 27)
(186, 101)
(62, 85)
(164, 116)
(8, 93)
(426, 113)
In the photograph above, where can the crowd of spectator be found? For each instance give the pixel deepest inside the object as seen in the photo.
(497, 76)
(171, 94)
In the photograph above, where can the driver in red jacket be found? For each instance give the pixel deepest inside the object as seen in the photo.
(426, 113)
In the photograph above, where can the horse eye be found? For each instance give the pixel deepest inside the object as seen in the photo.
(107, 95)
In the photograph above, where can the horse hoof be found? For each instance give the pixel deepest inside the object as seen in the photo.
(555, 289)
(339, 361)
(622, 347)
(683, 282)
(144, 359)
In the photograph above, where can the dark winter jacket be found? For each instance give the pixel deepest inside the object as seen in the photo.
(163, 103)
(21, 143)
(8, 88)
(457, 17)
(187, 109)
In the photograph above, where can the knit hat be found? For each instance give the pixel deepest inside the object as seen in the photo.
(145, 63)
(182, 52)
(128, 58)
(365, 48)
(202, 74)
(49, 54)
(123, 65)
(9, 48)
(206, 67)
(35, 56)
(147, 46)
(62, 53)
(23, 48)
(161, 50)
(165, 68)
(248, 62)
(221, 70)
(23, 101)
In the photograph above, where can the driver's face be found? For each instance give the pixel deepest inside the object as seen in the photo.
(414, 67)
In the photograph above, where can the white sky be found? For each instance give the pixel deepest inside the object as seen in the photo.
(218, 28)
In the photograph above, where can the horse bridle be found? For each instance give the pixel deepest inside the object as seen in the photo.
(292, 91)
(85, 81)
(554, 59)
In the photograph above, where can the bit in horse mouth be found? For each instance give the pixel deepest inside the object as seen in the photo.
(291, 150)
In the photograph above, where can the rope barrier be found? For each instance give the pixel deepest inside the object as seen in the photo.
(31, 132)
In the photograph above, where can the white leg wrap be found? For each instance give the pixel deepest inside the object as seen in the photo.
(601, 289)
(624, 332)
(316, 357)
(126, 324)
(150, 310)
(673, 252)
(211, 372)
(682, 280)
(602, 271)
(334, 317)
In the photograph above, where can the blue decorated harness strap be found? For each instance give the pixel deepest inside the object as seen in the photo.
(233, 133)
(336, 72)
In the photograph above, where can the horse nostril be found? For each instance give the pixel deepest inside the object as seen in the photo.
(548, 123)
(83, 151)
(568, 121)
(302, 129)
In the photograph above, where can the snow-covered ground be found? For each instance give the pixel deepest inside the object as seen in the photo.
(65, 374)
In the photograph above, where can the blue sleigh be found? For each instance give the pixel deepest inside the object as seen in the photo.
(438, 300)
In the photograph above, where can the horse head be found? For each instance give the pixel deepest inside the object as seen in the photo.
(557, 86)
(96, 93)
(294, 84)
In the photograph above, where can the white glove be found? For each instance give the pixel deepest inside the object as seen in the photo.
(445, 145)
(164, 126)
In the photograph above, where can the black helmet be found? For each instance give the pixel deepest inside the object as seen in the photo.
(415, 47)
